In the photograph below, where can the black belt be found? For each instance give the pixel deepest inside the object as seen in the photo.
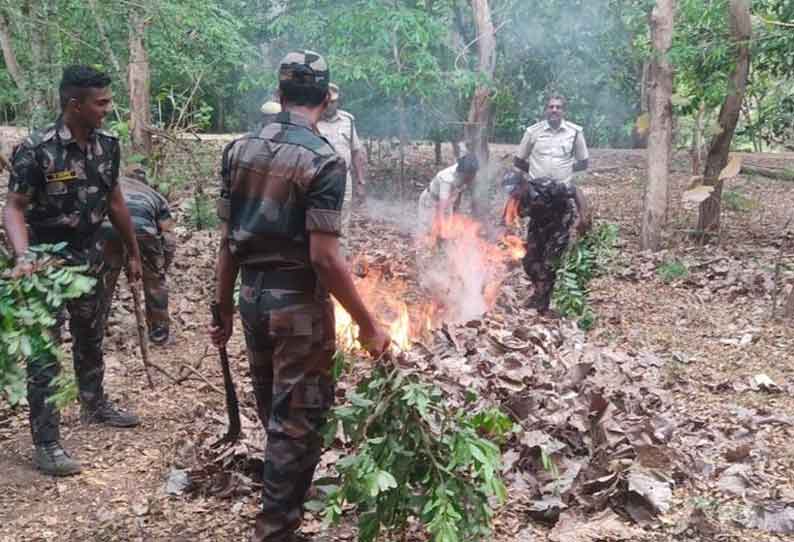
(303, 280)
(73, 239)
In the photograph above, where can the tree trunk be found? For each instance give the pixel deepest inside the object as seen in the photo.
(38, 55)
(105, 41)
(139, 81)
(403, 133)
(717, 159)
(479, 119)
(788, 311)
(696, 150)
(661, 130)
(9, 55)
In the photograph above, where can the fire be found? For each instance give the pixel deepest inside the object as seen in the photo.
(458, 277)
(510, 214)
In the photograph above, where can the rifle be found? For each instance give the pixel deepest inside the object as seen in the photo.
(232, 404)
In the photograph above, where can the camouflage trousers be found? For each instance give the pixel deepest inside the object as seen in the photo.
(155, 261)
(547, 239)
(87, 330)
(290, 342)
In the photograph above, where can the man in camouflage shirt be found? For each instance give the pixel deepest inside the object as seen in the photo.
(63, 184)
(280, 206)
(153, 224)
(339, 127)
(550, 152)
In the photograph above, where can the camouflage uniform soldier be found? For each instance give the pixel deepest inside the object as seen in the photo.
(280, 206)
(63, 183)
(550, 152)
(339, 127)
(153, 224)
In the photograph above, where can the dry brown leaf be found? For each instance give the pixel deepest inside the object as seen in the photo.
(603, 527)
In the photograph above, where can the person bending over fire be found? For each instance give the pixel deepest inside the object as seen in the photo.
(441, 199)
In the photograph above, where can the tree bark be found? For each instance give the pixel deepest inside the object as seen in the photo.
(480, 113)
(139, 82)
(9, 55)
(661, 126)
(38, 54)
(105, 40)
(717, 158)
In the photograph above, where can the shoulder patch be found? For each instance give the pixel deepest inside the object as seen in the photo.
(573, 126)
(537, 126)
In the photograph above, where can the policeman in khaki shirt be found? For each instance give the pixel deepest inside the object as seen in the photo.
(550, 152)
(339, 128)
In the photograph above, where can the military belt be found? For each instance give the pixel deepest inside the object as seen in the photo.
(263, 278)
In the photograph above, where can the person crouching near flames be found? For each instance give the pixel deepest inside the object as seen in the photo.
(442, 198)
(550, 152)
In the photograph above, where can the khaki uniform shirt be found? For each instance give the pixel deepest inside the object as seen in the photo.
(340, 130)
(553, 153)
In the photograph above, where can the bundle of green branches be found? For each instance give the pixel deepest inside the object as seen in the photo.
(582, 261)
(28, 306)
(413, 457)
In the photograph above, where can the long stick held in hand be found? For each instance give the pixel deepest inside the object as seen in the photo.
(141, 321)
(232, 405)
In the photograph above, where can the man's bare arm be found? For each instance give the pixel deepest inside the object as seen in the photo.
(359, 171)
(226, 271)
(14, 222)
(332, 270)
(120, 218)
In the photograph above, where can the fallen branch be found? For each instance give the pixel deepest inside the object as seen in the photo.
(212, 386)
(141, 325)
(781, 174)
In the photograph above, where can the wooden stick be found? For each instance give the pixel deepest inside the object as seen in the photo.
(141, 321)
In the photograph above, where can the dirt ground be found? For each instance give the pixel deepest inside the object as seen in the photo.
(711, 324)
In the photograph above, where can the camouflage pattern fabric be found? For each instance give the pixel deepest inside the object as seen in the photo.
(69, 191)
(148, 209)
(305, 68)
(548, 234)
(68, 188)
(277, 186)
(87, 330)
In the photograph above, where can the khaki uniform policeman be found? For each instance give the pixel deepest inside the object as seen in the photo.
(63, 184)
(551, 150)
(151, 217)
(339, 128)
(280, 205)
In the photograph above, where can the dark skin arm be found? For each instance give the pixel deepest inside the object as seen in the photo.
(583, 222)
(226, 270)
(333, 271)
(16, 231)
(120, 218)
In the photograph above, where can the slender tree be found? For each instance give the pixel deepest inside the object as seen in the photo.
(661, 125)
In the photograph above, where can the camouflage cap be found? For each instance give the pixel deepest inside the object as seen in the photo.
(304, 68)
(270, 108)
(333, 90)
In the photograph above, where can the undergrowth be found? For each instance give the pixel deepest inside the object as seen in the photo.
(582, 261)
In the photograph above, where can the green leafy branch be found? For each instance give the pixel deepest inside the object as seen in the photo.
(580, 263)
(28, 307)
(415, 458)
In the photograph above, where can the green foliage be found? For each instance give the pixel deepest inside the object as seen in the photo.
(200, 212)
(414, 458)
(580, 263)
(671, 270)
(28, 306)
(737, 202)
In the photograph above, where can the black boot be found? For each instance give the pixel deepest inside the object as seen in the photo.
(51, 459)
(105, 412)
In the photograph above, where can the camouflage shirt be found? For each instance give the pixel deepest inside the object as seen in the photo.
(148, 208)
(278, 185)
(69, 188)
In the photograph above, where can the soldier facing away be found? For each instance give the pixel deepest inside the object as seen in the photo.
(63, 183)
(339, 127)
(153, 224)
(280, 207)
(550, 152)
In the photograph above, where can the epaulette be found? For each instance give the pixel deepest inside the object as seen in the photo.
(572, 126)
(346, 114)
(537, 126)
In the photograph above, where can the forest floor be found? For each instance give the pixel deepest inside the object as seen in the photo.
(702, 314)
